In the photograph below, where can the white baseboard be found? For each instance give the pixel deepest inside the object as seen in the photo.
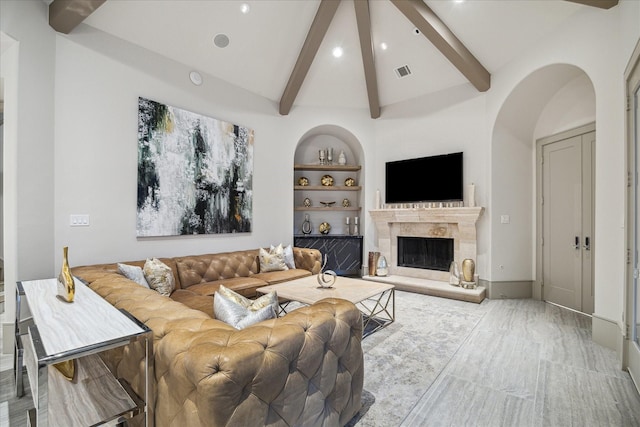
(607, 333)
(508, 289)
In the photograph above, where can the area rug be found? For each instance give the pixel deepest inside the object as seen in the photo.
(403, 360)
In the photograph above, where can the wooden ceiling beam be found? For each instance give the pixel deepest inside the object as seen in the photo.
(445, 41)
(319, 27)
(363, 18)
(65, 15)
(602, 4)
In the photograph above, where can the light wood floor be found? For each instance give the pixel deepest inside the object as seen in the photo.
(509, 363)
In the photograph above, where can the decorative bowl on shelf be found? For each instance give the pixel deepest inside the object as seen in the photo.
(324, 228)
(327, 180)
(349, 182)
(327, 204)
(303, 181)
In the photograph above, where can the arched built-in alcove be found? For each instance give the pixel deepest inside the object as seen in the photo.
(552, 99)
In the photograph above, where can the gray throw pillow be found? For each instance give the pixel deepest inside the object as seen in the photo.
(238, 316)
(134, 273)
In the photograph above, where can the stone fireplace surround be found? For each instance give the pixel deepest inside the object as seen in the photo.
(457, 223)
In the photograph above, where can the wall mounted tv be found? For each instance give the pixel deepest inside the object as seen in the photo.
(424, 179)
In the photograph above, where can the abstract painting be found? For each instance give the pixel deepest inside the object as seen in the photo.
(194, 173)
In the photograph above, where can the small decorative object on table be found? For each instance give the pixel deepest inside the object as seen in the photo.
(327, 278)
(454, 274)
(347, 226)
(327, 180)
(306, 225)
(330, 156)
(327, 204)
(356, 227)
(342, 159)
(349, 182)
(306, 202)
(382, 268)
(324, 228)
(346, 203)
(322, 157)
(303, 181)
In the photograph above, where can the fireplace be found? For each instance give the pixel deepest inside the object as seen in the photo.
(438, 224)
(425, 252)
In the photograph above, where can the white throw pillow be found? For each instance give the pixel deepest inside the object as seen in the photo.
(288, 256)
(159, 276)
(134, 273)
(238, 316)
(272, 260)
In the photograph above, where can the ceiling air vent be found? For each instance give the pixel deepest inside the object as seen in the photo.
(403, 71)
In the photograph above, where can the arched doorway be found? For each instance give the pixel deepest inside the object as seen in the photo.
(549, 101)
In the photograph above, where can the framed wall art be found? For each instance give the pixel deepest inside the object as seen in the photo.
(194, 173)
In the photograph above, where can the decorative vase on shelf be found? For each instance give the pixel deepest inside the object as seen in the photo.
(454, 274)
(307, 202)
(382, 268)
(306, 225)
(342, 159)
(66, 284)
(468, 270)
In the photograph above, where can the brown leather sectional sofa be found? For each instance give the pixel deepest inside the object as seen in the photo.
(302, 369)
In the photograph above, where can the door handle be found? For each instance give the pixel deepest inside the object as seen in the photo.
(587, 244)
(576, 244)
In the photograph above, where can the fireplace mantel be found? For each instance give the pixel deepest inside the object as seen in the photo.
(458, 223)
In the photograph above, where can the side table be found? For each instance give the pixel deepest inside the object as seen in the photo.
(62, 331)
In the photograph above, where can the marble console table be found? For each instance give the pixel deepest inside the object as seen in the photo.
(80, 330)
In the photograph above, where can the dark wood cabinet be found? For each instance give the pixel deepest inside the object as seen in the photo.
(344, 253)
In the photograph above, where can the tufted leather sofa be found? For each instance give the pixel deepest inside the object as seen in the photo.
(302, 369)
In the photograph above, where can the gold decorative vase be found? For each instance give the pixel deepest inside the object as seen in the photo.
(468, 270)
(66, 285)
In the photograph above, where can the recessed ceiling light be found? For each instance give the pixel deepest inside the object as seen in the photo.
(383, 46)
(337, 51)
(196, 78)
(245, 8)
(458, 1)
(221, 40)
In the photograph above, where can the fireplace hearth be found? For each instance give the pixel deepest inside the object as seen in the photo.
(425, 252)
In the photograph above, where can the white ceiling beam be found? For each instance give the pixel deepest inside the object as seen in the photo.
(445, 41)
(319, 27)
(65, 15)
(363, 18)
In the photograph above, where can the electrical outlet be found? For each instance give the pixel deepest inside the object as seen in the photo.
(79, 221)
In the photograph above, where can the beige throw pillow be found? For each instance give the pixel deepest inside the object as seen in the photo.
(272, 260)
(288, 256)
(159, 276)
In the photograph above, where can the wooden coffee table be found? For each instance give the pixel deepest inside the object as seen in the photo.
(375, 300)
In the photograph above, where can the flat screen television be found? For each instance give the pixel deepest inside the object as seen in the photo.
(424, 179)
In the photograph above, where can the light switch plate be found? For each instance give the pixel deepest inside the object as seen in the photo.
(79, 221)
(504, 219)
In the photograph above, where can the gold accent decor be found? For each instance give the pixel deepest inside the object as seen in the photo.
(324, 228)
(468, 270)
(349, 182)
(66, 284)
(327, 180)
(303, 181)
(67, 369)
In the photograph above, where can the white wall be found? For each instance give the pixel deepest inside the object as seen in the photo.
(98, 81)
(28, 72)
(596, 42)
(448, 122)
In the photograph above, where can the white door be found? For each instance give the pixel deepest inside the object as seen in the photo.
(567, 221)
(633, 222)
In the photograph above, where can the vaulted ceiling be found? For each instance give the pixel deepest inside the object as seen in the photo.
(283, 49)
